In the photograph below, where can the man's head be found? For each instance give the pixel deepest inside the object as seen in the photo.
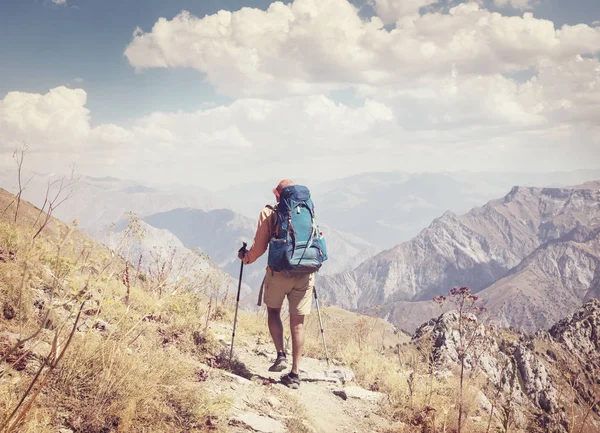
(282, 184)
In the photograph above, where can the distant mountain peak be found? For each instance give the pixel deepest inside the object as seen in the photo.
(534, 253)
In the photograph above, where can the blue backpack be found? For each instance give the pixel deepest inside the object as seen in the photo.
(297, 245)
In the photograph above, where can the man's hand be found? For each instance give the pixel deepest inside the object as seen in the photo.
(242, 251)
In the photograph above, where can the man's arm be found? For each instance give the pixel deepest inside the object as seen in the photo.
(262, 236)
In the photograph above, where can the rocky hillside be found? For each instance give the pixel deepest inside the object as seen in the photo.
(505, 238)
(543, 382)
(552, 280)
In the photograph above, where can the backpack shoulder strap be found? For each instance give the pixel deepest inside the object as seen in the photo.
(274, 218)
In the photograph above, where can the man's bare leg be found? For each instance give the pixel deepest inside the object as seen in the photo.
(276, 327)
(297, 330)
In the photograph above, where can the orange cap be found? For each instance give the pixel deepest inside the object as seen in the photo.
(283, 184)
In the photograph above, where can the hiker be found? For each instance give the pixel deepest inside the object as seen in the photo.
(296, 252)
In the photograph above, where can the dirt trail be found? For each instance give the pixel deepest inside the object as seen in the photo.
(260, 403)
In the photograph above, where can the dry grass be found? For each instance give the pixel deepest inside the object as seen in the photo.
(128, 368)
(135, 389)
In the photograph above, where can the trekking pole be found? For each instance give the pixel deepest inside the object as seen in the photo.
(237, 302)
(321, 325)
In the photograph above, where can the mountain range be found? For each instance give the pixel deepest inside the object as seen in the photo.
(530, 253)
(97, 202)
(533, 255)
(388, 208)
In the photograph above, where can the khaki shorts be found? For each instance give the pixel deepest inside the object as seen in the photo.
(297, 288)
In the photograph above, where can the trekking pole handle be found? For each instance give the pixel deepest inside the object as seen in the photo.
(243, 249)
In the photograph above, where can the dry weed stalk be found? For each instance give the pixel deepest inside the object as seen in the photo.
(19, 157)
(51, 361)
(126, 283)
(471, 336)
(53, 199)
(589, 410)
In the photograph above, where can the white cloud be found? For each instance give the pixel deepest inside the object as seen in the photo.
(311, 47)
(392, 10)
(517, 4)
(483, 123)
(431, 94)
(194, 144)
(60, 2)
(79, 80)
(48, 121)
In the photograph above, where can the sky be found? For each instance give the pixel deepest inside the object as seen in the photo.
(217, 92)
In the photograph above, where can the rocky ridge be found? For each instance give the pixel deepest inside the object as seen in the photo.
(541, 379)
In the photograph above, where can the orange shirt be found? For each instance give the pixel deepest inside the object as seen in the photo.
(264, 231)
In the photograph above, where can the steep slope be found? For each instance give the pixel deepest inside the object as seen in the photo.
(150, 248)
(149, 362)
(550, 282)
(476, 249)
(218, 233)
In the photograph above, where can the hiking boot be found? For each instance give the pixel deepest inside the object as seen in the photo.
(291, 380)
(280, 363)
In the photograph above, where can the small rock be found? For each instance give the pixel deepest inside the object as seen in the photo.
(65, 430)
(8, 311)
(443, 374)
(340, 393)
(258, 423)
(358, 393)
(101, 325)
(223, 338)
(41, 349)
(333, 376)
(10, 337)
(265, 353)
